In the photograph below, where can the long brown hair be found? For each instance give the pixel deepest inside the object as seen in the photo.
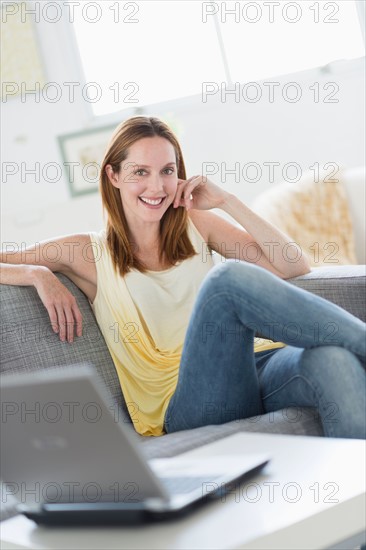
(174, 240)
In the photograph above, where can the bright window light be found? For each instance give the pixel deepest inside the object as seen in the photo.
(147, 52)
(259, 50)
(166, 54)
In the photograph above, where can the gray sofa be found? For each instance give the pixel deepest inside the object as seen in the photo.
(29, 344)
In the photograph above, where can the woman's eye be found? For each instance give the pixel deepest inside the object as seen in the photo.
(169, 171)
(139, 172)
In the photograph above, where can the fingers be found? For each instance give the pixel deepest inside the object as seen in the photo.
(65, 319)
(61, 322)
(187, 192)
(61, 306)
(180, 188)
(70, 326)
(78, 319)
(53, 318)
(184, 196)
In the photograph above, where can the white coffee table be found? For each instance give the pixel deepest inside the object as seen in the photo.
(311, 496)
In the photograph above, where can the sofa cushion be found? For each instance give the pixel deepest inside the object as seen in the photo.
(29, 343)
(291, 421)
(344, 285)
(315, 213)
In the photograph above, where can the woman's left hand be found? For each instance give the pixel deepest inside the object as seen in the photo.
(200, 193)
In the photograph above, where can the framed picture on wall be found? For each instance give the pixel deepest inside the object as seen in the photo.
(82, 154)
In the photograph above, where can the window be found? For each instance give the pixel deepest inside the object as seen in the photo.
(302, 35)
(165, 54)
(146, 52)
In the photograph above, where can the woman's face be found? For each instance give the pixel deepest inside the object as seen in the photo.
(148, 179)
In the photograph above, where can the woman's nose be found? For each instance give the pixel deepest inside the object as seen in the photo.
(156, 183)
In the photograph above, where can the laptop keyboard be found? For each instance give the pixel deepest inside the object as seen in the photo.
(179, 485)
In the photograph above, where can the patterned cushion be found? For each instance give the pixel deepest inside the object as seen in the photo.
(316, 214)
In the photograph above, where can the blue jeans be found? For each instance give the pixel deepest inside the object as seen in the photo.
(221, 378)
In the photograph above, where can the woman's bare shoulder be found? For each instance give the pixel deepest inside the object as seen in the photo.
(80, 264)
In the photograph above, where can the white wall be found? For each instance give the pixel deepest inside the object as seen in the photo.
(222, 132)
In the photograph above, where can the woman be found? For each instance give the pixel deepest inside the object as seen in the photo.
(181, 330)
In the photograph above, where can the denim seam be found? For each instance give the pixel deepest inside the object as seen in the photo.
(314, 389)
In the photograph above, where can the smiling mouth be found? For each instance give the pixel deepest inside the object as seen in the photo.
(152, 202)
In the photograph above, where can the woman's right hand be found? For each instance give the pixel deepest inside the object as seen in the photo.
(61, 305)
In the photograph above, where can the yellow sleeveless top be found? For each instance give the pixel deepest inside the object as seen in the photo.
(143, 318)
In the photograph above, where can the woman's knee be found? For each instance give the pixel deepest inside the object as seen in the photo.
(233, 273)
(331, 367)
(339, 381)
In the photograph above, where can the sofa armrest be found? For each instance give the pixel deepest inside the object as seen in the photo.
(343, 285)
(29, 343)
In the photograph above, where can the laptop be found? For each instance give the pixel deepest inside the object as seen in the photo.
(67, 456)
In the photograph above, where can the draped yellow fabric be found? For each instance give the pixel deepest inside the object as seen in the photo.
(143, 318)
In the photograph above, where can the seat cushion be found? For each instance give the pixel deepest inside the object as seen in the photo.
(29, 343)
(291, 421)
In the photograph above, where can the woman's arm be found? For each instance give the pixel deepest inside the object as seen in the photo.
(18, 275)
(257, 242)
(35, 266)
(70, 255)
